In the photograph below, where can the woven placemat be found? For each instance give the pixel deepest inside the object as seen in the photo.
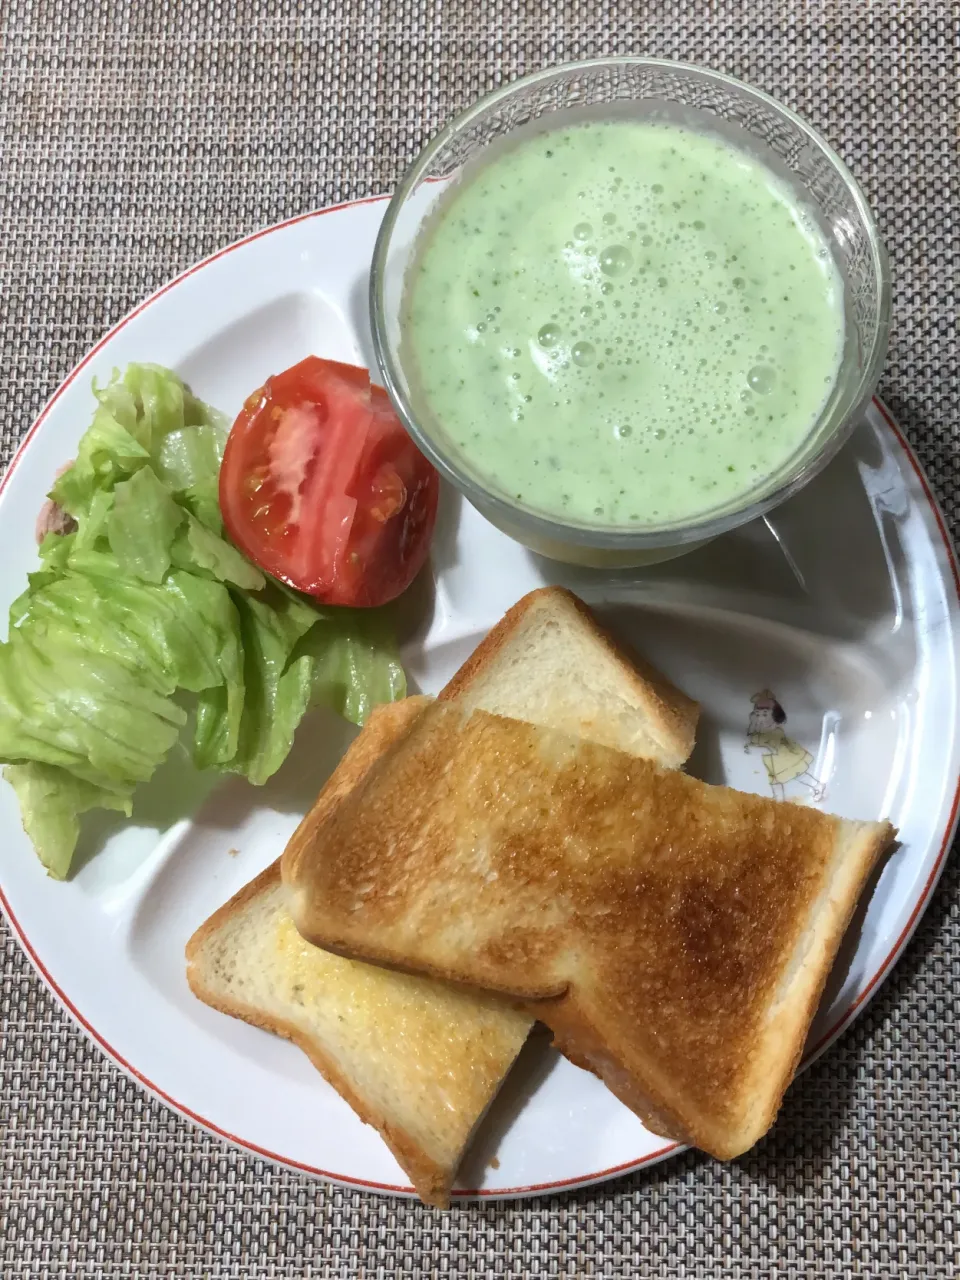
(136, 138)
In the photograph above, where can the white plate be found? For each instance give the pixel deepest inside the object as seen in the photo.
(844, 603)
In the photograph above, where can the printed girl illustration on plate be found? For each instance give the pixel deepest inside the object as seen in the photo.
(785, 760)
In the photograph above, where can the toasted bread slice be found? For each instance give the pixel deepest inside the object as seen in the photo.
(419, 1060)
(524, 665)
(550, 663)
(674, 935)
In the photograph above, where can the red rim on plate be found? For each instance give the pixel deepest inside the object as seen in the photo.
(856, 1006)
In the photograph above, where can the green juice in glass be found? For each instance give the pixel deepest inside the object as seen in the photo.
(622, 324)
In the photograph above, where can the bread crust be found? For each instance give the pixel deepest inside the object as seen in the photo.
(386, 724)
(775, 1065)
(385, 727)
(678, 935)
(672, 711)
(431, 1181)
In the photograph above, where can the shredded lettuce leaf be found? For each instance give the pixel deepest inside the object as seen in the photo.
(145, 625)
(141, 525)
(277, 685)
(204, 552)
(187, 457)
(348, 672)
(51, 802)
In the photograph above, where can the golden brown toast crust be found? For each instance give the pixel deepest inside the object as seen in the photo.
(677, 713)
(494, 853)
(385, 726)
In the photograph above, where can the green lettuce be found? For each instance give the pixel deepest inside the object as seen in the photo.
(141, 524)
(204, 552)
(51, 802)
(145, 626)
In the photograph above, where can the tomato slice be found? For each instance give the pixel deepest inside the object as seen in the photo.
(322, 487)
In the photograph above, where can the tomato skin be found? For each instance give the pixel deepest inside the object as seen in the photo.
(322, 487)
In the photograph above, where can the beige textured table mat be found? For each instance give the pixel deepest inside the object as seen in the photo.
(136, 138)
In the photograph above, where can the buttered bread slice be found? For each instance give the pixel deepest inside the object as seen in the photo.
(420, 1061)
